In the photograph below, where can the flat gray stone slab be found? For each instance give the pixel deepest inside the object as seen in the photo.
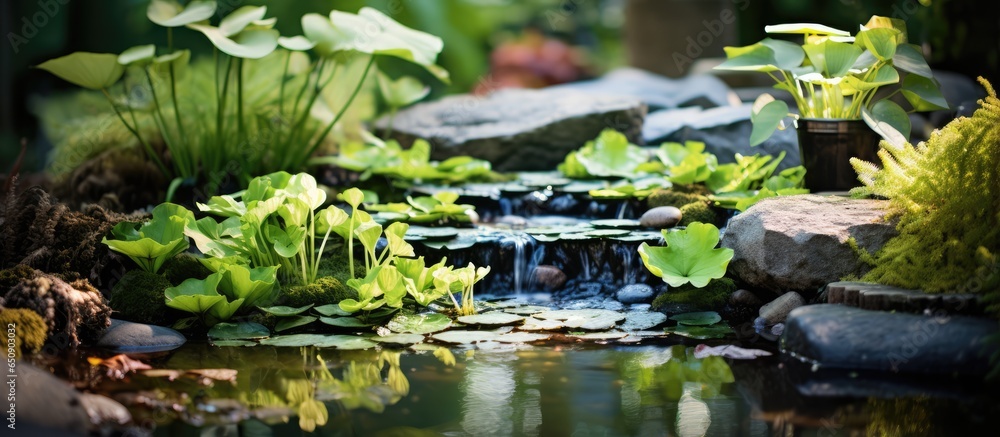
(517, 129)
(871, 296)
(125, 336)
(843, 337)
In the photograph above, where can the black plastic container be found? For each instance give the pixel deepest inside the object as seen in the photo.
(827, 146)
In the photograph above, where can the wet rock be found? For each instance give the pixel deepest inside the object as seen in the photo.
(880, 297)
(841, 337)
(514, 221)
(104, 411)
(743, 306)
(549, 277)
(724, 130)
(125, 336)
(777, 310)
(656, 91)
(800, 242)
(661, 217)
(517, 129)
(635, 293)
(46, 402)
(745, 298)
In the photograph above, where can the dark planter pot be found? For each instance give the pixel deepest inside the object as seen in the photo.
(827, 146)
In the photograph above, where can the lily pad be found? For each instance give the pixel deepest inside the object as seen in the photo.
(522, 337)
(588, 319)
(238, 331)
(346, 342)
(647, 236)
(419, 323)
(556, 230)
(285, 311)
(462, 241)
(232, 343)
(402, 339)
(465, 337)
(703, 318)
(605, 233)
(345, 322)
(599, 335)
(527, 310)
(719, 330)
(533, 324)
(496, 318)
(429, 233)
(331, 310)
(293, 322)
(642, 320)
(616, 223)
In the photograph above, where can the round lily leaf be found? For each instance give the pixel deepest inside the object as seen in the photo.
(419, 323)
(345, 322)
(701, 332)
(496, 318)
(231, 343)
(599, 335)
(401, 339)
(293, 322)
(285, 311)
(642, 320)
(605, 233)
(238, 331)
(522, 337)
(526, 310)
(463, 241)
(556, 230)
(347, 342)
(703, 318)
(465, 337)
(533, 324)
(138, 55)
(297, 43)
(431, 233)
(616, 223)
(589, 319)
(249, 44)
(331, 310)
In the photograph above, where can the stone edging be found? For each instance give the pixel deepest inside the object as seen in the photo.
(888, 298)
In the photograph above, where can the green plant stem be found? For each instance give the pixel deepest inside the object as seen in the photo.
(134, 130)
(180, 159)
(219, 117)
(350, 241)
(300, 119)
(176, 103)
(281, 89)
(319, 140)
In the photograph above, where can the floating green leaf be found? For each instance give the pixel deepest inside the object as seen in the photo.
(690, 256)
(697, 319)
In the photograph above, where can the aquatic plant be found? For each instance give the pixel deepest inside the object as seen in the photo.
(833, 75)
(412, 165)
(151, 243)
(75, 310)
(689, 256)
(232, 289)
(138, 297)
(262, 129)
(30, 329)
(608, 155)
(946, 193)
(439, 208)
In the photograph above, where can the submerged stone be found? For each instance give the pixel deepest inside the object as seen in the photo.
(124, 336)
(842, 337)
(517, 129)
(635, 293)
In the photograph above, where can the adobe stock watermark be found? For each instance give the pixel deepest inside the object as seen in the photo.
(714, 29)
(31, 26)
(10, 414)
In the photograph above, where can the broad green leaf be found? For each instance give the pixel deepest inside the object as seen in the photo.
(419, 323)
(611, 155)
(805, 28)
(94, 71)
(293, 322)
(403, 91)
(249, 44)
(286, 242)
(321, 33)
(195, 295)
(909, 58)
(331, 217)
(254, 285)
(877, 22)
(153, 243)
(834, 59)
(353, 197)
(331, 310)
(697, 319)
(344, 322)
(347, 342)
(881, 42)
(138, 55)
(756, 57)
(394, 237)
(303, 186)
(889, 120)
(371, 31)
(238, 331)
(766, 118)
(690, 256)
(885, 75)
(223, 206)
(169, 13)
(786, 55)
(296, 43)
(923, 93)
(285, 311)
(239, 19)
(693, 166)
(494, 318)
(368, 234)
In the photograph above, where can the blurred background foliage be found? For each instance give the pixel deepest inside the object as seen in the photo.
(489, 44)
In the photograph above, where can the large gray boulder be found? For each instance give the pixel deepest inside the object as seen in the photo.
(517, 129)
(801, 242)
(842, 337)
(725, 130)
(46, 405)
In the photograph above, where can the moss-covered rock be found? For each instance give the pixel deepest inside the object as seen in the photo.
(699, 189)
(138, 297)
(183, 267)
(337, 265)
(326, 290)
(697, 212)
(13, 276)
(712, 296)
(30, 330)
(74, 311)
(267, 319)
(673, 198)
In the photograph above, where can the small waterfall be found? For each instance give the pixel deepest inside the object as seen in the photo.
(522, 265)
(627, 255)
(506, 208)
(621, 210)
(585, 265)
